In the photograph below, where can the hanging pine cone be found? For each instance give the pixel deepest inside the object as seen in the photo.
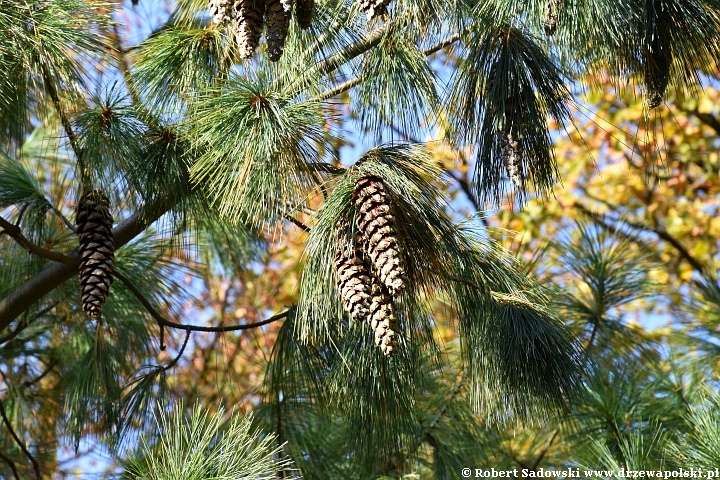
(373, 8)
(509, 152)
(550, 19)
(657, 74)
(376, 222)
(94, 227)
(221, 11)
(658, 57)
(304, 12)
(277, 20)
(353, 281)
(383, 320)
(248, 25)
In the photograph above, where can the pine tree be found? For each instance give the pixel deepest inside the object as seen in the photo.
(302, 227)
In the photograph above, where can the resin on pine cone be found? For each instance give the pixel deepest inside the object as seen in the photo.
(277, 22)
(383, 320)
(94, 227)
(304, 12)
(353, 281)
(248, 25)
(552, 12)
(375, 220)
(373, 8)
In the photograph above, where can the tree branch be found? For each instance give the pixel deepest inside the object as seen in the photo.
(55, 97)
(180, 353)
(56, 274)
(20, 443)
(298, 223)
(15, 232)
(11, 464)
(662, 234)
(23, 325)
(345, 86)
(194, 328)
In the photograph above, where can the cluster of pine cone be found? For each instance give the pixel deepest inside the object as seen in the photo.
(248, 17)
(371, 273)
(94, 227)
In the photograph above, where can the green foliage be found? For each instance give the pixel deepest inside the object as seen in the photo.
(507, 84)
(205, 446)
(256, 148)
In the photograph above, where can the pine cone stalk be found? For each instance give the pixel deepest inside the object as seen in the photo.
(375, 220)
(94, 227)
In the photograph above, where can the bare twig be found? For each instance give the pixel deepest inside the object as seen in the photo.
(11, 464)
(45, 372)
(297, 222)
(195, 328)
(180, 353)
(24, 324)
(35, 464)
(14, 232)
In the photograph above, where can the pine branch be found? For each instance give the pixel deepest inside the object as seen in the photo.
(14, 232)
(661, 233)
(55, 97)
(345, 86)
(45, 372)
(180, 353)
(11, 464)
(24, 324)
(35, 464)
(56, 274)
(194, 328)
(298, 223)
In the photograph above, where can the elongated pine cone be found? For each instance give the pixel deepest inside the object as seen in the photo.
(509, 152)
(383, 320)
(94, 227)
(248, 25)
(373, 8)
(304, 12)
(657, 75)
(277, 22)
(353, 281)
(221, 11)
(550, 19)
(375, 220)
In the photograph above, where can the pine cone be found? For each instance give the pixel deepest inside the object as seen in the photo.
(376, 222)
(353, 282)
(304, 13)
(373, 8)
(277, 19)
(383, 320)
(94, 226)
(552, 12)
(657, 74)
(221, 11)
(248, 25)
(509, 152)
